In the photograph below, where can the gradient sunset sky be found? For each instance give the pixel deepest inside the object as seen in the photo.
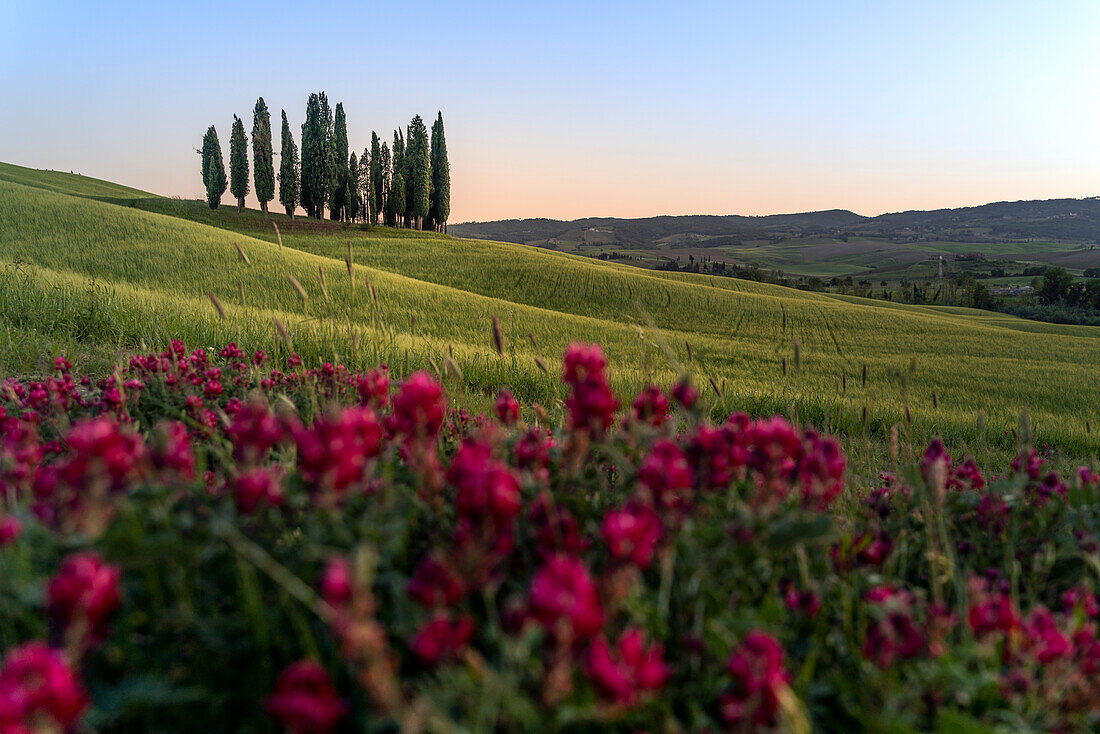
(574, 109)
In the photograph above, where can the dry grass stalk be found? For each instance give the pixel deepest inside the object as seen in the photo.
(282, 332)
(240, 251)
(298, 287)
(278, 236)
(217, 305)
(321, 279)
(498, 336)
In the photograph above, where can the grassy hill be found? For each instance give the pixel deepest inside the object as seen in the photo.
(97, 269)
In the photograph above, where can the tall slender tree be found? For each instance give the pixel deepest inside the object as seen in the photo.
(238, 163)
(398, 168)
(441, 177)
(338, 191)
(386, 165)
(351, 189)
(397, 197)
(419, 173)
(377, 182)
(213, 168)
(362, 186)
(263, 160)
(289, 171)
(317, 158)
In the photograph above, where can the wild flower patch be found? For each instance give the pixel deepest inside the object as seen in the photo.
(209, 541)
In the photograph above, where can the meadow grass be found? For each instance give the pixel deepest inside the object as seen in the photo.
(101, 270)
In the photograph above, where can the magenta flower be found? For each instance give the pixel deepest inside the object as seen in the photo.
(305, 700)
(256, 487)
(334, 453)
(667, 475)
(442, 638)
(83, 594)
(628, 671)
(632, 533)
(564, 598)
(39, 691)
(418, 408)
(507, 408)
(591, 404)
(759, 678)
(651, 406)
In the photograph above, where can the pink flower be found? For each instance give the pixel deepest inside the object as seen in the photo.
(172, 450)
(564, 598)
(685, 394)
(991, 612)
(776, 447)
(554, 528)
(442, 638)
(336, 584)
(1081, 598)
(806, 601)
(1087, 477)
(334, 454)
(84, 593)
(630, 670)
(374, 388)
(507, 409)
(719, 453)
(254, 431)
(255, 487)
(591, 404)
(651, 406)
(935, 453)
(632, 533)
(1028, 462)
(101, 450)
(305, 701)
(667, 475)
(893, 634)
(38, 691)
(10, 530)
(487, 489)
(418, 408)
(1047, 642)
(435, 584)
(820, 471)
(759, 678)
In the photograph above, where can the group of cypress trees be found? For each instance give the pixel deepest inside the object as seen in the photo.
(408, 185)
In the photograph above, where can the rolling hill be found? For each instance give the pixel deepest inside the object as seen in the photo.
(97, 270)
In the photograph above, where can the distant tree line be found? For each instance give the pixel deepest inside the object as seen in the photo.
(406, 185)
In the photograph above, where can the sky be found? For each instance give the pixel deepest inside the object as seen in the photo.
(575, 109)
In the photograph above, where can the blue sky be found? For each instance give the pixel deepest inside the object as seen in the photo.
(571, 109)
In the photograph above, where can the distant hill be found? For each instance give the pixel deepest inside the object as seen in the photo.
(1060, 220)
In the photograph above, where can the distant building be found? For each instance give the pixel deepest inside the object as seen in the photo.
(1010, 291)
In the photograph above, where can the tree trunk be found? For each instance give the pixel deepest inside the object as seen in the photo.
(240, 205)
(263, 205)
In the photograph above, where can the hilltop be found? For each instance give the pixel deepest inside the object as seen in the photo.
(1060, 220)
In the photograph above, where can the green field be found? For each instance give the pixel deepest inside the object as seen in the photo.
(98, 270)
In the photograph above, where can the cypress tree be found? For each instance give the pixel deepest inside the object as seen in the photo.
(398, 168)
(362, 186)
(419, 173)
(338, 192)
(317, 158)
(397, 196)
(238, 163)
(441, 177)
(351, 190)
(213, 168)
(289, 171)
(385, 167)
(377, 185)
(263, 165)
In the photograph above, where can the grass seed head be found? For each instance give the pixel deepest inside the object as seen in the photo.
(217, 305)
(498, 336)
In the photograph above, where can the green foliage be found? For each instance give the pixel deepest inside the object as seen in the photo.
(419, 172)
(289, 170)
(263, 162)
(441, 176)
(351, 190)
(397, 203)
(1055, 286)
(378, 180)
(238, 163)
(317, 155)
(338, 195)
(213, 168)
